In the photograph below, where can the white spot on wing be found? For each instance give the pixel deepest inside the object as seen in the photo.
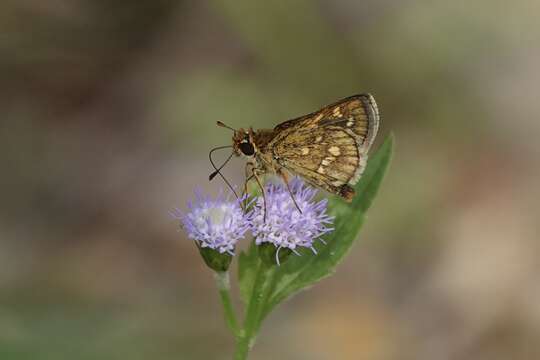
(334, 150)
(327, 160)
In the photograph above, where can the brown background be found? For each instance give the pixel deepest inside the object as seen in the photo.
(108, 110)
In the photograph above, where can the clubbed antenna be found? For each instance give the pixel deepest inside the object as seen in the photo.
(219, 123)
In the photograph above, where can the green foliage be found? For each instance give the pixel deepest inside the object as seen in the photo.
(263, 285)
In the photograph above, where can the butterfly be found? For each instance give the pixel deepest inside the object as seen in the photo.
(327, 148)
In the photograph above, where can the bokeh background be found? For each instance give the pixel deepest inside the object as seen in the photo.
(108, 111)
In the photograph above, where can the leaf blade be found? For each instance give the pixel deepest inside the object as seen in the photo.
(301, 272)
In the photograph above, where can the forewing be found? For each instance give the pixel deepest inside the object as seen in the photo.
(357, 113)
(328, 148)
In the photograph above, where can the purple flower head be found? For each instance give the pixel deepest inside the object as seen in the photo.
(285, 226)
(217, 224)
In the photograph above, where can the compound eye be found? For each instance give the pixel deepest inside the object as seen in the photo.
(246, 148)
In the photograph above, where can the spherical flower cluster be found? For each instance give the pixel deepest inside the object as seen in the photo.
(217, 224)
(274, 219)
(283, 224)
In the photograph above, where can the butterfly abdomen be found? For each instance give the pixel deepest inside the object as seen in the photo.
(346, 192)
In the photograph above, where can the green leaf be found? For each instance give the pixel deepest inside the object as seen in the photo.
(300, 272)
(247, 272)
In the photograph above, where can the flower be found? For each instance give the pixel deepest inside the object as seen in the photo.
(284, 225)
(216, 224)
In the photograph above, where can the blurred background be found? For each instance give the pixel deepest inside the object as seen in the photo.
(108, 113)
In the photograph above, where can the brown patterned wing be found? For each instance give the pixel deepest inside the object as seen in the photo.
(328, 148)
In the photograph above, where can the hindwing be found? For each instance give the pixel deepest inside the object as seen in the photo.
(328, 148)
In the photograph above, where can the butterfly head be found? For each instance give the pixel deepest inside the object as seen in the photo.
(243, 141)
(243, 144)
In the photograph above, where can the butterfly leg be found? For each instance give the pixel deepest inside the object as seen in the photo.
(262, 190)
(285, 178)
(254, 175)
(248, 170)
(245, 201)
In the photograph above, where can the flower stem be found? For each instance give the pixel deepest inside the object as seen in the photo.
(224, 287)
(242, 347)
(255, 311)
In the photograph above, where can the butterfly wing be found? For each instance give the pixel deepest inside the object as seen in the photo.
(328, 148)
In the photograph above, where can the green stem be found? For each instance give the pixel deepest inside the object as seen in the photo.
(245, 341)
(224, 287)
(262, 288)
(242, 347)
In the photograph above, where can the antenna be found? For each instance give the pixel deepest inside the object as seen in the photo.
(219, 123)
(213, 175)
(217, 171)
